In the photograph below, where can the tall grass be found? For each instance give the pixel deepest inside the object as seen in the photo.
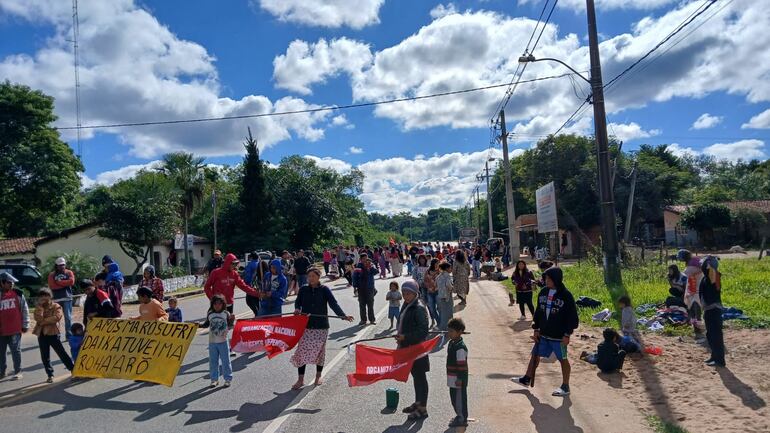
(745, 285)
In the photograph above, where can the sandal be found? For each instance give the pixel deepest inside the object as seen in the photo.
(297, 386)
(418, 413)
(410, 409)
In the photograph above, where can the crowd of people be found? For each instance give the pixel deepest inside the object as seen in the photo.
(423, 304)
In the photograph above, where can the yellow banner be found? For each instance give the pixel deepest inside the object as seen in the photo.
(134, 349)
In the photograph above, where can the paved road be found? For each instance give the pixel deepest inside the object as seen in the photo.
(259, 395)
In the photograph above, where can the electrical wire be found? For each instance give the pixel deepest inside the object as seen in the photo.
(308, 110)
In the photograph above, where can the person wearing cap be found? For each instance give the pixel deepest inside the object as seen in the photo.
(61, 282)
(216, 262)
(223, 280)
(149, 279)
(14, 321)
(149, 307)
(413, 329)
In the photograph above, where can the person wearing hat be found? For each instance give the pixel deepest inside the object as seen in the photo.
(61, 282)
(413, 329)
(14, 321)
(216, 262)
(97, 303)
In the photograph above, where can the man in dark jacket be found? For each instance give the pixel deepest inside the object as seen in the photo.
(363, 281)
(555, 319)
(301, 265)
(412, 330)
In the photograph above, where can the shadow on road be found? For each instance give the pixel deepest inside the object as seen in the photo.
(614, 380)
(409, 426)
(748, 397)
(177, 406)
(344, 334)
(253, 413)
(548, 419)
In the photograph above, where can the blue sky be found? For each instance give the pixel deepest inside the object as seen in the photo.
(163, 60)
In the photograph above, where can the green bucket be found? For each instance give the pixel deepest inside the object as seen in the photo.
(391, 398)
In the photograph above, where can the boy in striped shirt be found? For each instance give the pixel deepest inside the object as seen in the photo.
(457, 372)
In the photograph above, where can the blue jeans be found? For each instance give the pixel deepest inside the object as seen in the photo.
(219, 353)
(476, 269)
(301, 280)
(66, 308)
(274, 310)
(432, 298)
(14, 343)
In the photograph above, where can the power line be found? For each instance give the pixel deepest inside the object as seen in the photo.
(308, 110)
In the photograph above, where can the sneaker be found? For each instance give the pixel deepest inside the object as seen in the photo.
(713, 363)
(227, 383)
(233, 354)
(49, 380)
(362, 323)
(521, 380)
(561, 391)
(214, 383)
(17, 376)
(458, 422)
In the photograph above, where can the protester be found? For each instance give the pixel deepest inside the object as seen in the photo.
(457, 372)
(692, 298)
(461, 273)
(253, 275)
(149, 279)
(631, 341)
(418, 275)
(554, 321)
(382, 262)
(477, 257)
(222, 281)
(273, 290)
(363, 281)
(48, 314)
(61, 281)
(396, 262)
(522, 279)
(301, 266)
(106, 260)
(327, 258)
(216, 262)
(97, 303)
(76, 340)
(149, 307)
(431, 291)
(334, 268)
(113, 285)
(174, 312)
(413, 329)
(349, 273)
(394, 302)
(219, 320)
(314, 299)
(445, 305)
(14, 321)
(608, 357)
(711, 298)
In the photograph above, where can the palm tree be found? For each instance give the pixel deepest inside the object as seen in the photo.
(186, 171)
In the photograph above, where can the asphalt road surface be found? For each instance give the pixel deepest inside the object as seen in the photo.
(260, 398)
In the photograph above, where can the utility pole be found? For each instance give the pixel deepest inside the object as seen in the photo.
(489, 203)
(513, 237)
(478, 210)
(612, 276)
(214, 205)
(627, 233)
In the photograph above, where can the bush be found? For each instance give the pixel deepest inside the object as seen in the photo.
(83, 265)
(172, 272)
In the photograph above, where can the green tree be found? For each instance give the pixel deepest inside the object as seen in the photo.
(38, 171)
(705, 218)
(141, 213)
(748, 223)
(82, 265)
(186, 172)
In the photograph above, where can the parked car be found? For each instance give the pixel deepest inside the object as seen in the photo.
(30, 279)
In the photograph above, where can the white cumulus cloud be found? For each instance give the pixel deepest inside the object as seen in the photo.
(443, 10)
(630, 131)
(355, 150)
(325, 13)
(745, 150)
(760, 121)
(580, 5)
(705, 121)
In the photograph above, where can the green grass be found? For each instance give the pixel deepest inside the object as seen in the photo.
(661, 426)
(745, 285)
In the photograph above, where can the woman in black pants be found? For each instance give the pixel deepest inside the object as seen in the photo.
(522, 279)
(413, 329)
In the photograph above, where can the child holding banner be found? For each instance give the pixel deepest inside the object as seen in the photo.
(219, 349)
(149, 307)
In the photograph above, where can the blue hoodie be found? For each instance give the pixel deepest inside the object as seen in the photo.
(113, 285)
(278, 287)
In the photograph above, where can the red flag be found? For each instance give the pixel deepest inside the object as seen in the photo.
(271, 334)
(375, 363)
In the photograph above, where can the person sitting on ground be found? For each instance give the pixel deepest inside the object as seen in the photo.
(48, 314)
(631, 341)
(149, 307)
(174, 312)
(677, 282)
(97, 303)
(608, 357)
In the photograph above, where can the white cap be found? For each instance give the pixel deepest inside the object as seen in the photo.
(60, 261)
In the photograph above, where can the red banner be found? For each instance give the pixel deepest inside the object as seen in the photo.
(375, 363)
(271, 334)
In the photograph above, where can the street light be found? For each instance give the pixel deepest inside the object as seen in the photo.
(612, 277)
(531, 59)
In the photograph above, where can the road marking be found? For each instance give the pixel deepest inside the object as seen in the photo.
(287, 412)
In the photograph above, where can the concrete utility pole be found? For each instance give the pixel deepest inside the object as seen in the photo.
(478, 211)
(489, 202)
(513, 237)
(612, 276)
(629, 211)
